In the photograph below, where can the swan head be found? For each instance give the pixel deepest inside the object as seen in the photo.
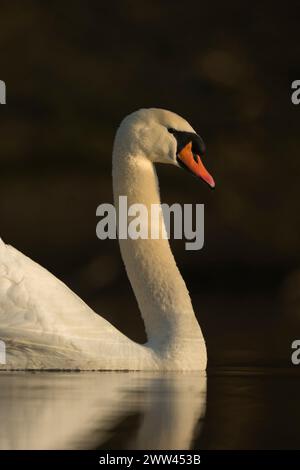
(164, 137)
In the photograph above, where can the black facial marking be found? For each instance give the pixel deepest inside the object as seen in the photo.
(183, 138)
(183, 165)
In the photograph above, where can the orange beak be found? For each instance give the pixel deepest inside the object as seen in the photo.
(194, 164)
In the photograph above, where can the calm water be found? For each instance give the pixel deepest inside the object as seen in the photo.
(114, 410)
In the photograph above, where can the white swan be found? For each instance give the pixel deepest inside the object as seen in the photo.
(46, 326)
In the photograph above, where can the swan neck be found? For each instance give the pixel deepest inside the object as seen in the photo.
(160, 291)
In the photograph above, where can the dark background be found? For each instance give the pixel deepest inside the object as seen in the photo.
(73, 70)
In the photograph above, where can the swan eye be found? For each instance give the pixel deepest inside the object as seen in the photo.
(171, 130)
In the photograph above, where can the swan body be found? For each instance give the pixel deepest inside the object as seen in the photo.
(46, 326)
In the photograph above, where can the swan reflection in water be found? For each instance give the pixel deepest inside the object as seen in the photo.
(94, 410)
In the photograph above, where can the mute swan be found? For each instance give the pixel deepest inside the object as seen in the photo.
(46, 326)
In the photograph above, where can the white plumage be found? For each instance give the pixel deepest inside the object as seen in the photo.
(46, 326)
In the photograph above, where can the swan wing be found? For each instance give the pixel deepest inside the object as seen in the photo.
(40, 316)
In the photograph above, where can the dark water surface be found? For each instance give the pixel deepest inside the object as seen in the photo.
(225, 409)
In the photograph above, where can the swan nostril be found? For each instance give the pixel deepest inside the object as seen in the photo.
(195, 156)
